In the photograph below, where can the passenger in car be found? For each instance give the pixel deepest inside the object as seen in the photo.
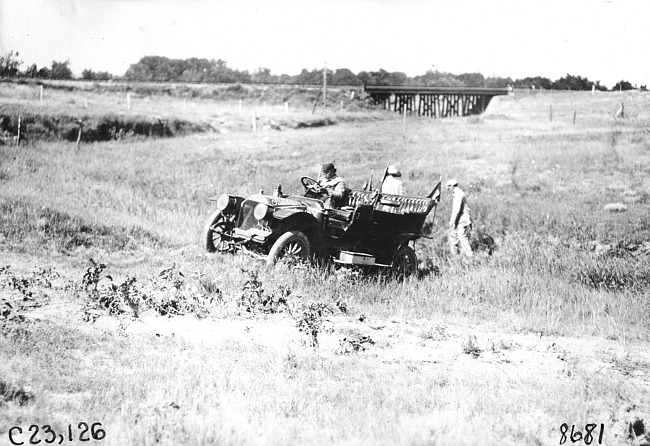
(392, 184)
(332, 184)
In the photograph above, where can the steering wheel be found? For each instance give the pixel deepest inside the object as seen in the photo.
(310, 184)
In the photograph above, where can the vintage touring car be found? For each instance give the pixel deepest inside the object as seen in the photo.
(369, 228)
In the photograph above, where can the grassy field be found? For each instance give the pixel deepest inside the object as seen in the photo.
(552, 328)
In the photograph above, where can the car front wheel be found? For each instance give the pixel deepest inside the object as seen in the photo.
(291, 244)
(405, 262)
(216, 233)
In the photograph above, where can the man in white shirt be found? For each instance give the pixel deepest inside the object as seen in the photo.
(392, 184)
(460, 222)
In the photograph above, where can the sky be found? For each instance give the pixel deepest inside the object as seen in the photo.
(603, 40)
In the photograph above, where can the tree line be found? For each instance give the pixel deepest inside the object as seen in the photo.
(163, 69)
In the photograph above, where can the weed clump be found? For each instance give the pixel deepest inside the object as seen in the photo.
(471, 347)
(310, 321)
(10, 393)
(253, 298)
(168, 294)
(354, 343)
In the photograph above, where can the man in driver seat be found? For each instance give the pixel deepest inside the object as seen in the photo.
(332, 184)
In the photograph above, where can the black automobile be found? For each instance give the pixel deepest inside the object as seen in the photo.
(367, 228)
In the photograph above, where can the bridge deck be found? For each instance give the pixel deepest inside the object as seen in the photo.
(434, 101)
(407, 89)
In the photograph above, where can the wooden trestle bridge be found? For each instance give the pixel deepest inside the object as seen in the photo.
(438, 102)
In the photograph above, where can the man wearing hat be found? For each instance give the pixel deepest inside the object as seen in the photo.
(392, 184)
(460, 221)
(332, 184)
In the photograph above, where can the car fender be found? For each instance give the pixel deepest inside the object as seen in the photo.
(395, 243)
(296, 219)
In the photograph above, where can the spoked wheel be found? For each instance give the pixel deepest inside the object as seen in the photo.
(290, 245)
(217, 233)
(405, 263)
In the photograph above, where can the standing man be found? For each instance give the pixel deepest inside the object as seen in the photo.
(392, 184)
(460, 221)
(332, 184)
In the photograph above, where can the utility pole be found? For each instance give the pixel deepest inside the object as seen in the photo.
(325, 86)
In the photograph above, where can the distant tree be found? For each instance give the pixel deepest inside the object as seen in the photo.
(599, 86)
(381, 77)
(10, 64)
(343, 76)
(537, 82)
(623, 85)
(196, 70)
(242, 76)
(32, 71)
(44, 73)
(262, 75)
(438, 79)
(61, 70)
(220, 72)
(103, 76)
(570, 82)
(155, 68)
(309, 77)
(98, 76)
(285, 79)
(472, 79)
(397, 78)
(498, 82)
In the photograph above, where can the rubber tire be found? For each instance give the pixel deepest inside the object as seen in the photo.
(208, 237)
(286, 240)
(405, 263)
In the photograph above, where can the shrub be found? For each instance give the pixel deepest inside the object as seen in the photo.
(310, 321)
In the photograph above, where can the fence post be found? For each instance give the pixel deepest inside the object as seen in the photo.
(81, 125)
(41, 93)
(575, 112)
(85, 102)
(20, 119)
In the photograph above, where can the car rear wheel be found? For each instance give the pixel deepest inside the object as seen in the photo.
(216, 233)
(291, 244)
(405, 262)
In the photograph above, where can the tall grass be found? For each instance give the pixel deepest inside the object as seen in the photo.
(537, 187)
(563, 265)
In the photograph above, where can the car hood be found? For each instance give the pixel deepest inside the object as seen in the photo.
(276, 202)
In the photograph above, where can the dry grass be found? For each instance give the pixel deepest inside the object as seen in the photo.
(539, 188)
